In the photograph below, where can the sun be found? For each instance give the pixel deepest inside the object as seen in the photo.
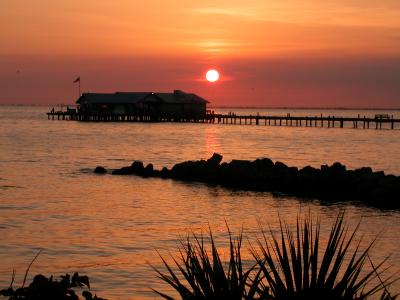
(212, 75)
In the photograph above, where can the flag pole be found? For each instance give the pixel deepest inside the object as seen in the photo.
(78, 80)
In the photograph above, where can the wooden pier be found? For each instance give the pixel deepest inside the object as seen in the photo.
(377, 122)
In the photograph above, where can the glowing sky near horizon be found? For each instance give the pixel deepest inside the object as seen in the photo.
(271, 53)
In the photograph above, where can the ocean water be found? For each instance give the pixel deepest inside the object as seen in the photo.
(111, 227)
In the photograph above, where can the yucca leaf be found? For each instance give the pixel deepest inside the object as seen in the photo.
(286, 267)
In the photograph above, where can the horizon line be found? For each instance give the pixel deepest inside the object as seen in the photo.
(233, 107)
(311, 107)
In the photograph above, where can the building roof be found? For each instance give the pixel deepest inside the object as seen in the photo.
(138, 97)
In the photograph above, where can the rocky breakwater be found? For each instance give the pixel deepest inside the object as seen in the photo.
(334, 183)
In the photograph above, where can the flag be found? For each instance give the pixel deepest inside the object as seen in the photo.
(77, 79)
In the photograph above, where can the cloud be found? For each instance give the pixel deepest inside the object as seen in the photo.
(228, 11)
(350, 13)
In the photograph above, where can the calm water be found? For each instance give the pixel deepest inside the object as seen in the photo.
(110, 227)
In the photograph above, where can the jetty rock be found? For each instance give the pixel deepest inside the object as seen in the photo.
(331, 183)
(136, 168)
(100, 170)
(215, 159)
(240, 174)
(200, 170)
(148, 170)
(193, 170)
(165, 172)
(123, 171)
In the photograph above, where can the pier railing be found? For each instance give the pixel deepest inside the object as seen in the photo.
(377, 122)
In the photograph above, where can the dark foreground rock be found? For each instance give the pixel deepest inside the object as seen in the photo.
(333, 182)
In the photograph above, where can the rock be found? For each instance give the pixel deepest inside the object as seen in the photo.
(123, 171)
(183, 170)
(280, 170)
(280, 165)
(338, 167)
(215, 159)
(100, 170)
(241, 165)
(148, 171)
(364, 171)
(336, 170)
(310, 172)
(165, 172)
(194, 170)
(282, 177)
(264, 164)
(379, 174)
(333, 182)
(39, 283)
(238, 173)
(137, 167)
(308, 179)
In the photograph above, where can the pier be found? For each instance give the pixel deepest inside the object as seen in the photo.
(382, 121)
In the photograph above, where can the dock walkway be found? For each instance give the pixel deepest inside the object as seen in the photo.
(377, 122)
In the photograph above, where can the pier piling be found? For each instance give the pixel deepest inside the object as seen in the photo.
(233, 119)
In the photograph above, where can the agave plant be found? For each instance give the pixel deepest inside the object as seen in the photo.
(295, 266)
(201, 274)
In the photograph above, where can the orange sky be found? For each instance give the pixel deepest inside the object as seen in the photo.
(270, 53)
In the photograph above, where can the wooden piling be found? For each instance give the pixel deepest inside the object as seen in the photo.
(287, 120)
